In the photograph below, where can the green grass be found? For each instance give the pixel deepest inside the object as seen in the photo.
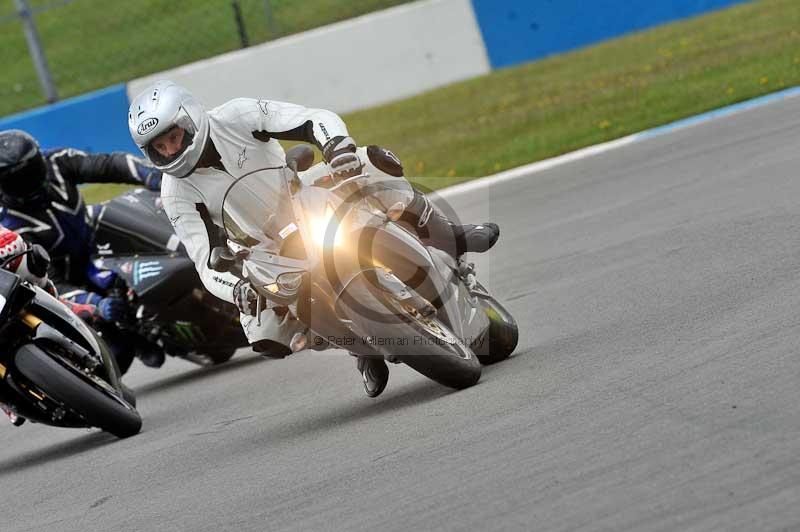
(520, 115)
(542, 109)
(91, 44)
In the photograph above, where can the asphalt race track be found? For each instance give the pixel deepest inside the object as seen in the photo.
(655, 387)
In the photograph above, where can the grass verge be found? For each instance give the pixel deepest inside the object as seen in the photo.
(542, 109)
(91, 44)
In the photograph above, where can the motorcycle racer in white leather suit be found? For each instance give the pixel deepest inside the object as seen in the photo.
(201, 153)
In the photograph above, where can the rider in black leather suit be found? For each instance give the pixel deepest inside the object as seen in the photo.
(40, 201)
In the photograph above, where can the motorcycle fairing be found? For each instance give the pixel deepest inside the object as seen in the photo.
(65, 321)
(8, 289)
(132, 223)
(154, 277)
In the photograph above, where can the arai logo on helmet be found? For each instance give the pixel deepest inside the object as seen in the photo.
(147, 126)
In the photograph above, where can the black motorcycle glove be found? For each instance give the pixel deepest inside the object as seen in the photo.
(245, 297)
(340, 154)
(147, 175)
(112, 309)
(153, 180)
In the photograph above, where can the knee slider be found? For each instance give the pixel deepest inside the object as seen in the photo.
(385, 161)
(271, 349)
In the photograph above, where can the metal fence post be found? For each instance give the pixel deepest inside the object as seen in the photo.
(36, 51)
(237, 15)
(273, 30)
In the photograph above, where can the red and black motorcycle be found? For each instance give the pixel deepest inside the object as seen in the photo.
(54, 369)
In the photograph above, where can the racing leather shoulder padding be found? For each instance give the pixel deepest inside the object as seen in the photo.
(385, 160)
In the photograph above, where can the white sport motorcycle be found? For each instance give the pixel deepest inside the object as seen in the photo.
(337, 260)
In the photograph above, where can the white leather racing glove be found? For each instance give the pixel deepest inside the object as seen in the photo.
(245, 297)
(340, 154)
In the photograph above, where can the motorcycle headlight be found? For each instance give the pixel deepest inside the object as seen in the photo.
(321, 226)
(289, 282)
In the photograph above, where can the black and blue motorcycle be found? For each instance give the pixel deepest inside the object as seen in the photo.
(174, 314)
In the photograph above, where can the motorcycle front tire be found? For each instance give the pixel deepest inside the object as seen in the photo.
(220, 356)
(452, 364)
(95, 405)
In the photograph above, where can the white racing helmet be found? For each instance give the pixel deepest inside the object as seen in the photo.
(160, 108)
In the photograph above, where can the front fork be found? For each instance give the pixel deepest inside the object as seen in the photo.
(32, 322)
(45, 334)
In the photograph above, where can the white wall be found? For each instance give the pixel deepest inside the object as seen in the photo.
(346, 66)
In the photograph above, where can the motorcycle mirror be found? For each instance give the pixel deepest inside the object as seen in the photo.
(38, 261)
(221, 259)
(300, 158)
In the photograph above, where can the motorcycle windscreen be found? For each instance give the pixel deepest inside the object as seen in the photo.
(255, 208)
(8, 286)
(258, 208)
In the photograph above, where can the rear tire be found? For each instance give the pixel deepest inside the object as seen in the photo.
(502, 335)
(95, 405)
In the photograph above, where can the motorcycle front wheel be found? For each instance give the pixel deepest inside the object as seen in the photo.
(220, 356)
(429, 346)
(445, 359)
(97, 406)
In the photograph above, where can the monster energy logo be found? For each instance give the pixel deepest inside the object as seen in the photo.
(144, 270)
(187, 332)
